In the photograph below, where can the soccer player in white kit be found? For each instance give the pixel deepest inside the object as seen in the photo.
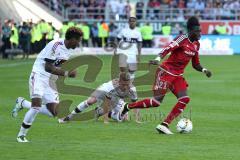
(42, 82)
(110, 97)
(130, 44)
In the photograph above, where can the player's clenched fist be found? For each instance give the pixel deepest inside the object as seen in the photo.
(207, 73)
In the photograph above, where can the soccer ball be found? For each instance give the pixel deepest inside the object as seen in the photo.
(184, 125)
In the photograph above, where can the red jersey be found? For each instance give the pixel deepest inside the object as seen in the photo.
(181, 50)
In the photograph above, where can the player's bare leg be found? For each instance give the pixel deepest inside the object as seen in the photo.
(28, 119)
(53, 108)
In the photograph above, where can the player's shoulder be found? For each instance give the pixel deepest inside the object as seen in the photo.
(181, 37)
(58, 44)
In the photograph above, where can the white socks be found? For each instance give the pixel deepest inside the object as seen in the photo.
(83, 105)
(26, 104)
(28, 120)
(43, 110)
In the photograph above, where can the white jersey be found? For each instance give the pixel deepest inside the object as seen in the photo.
(54, 51)
(131, 37)
(112, 91)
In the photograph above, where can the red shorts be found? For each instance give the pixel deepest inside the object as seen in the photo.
(165, 81)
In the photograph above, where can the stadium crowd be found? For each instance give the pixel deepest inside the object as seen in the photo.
(29, 38)
(151, 9)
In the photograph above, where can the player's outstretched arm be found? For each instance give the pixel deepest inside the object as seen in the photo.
(49, 67)
(199, 68)
(106, 109)
(176, 43)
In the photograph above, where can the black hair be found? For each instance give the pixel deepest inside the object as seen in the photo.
(132, 18)
(192, 22)
(73, 32)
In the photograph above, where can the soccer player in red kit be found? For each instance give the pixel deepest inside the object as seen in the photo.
(169, 74)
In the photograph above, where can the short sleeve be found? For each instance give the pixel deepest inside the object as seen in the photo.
(195, 59)
(139, 37)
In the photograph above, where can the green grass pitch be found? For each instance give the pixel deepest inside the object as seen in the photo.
(215, 106)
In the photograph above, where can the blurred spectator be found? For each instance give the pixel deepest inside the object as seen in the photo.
(181, 4)
(121, 9)
(54, 5)
(190, 4)
(139, 9)
(91, 9)
(86, 34)
(199, 5)
(51, 31)
(180, 16)
(94, 35)
(24, 39)
(6, 33)
(166, 29)
(153, 9)
(208, 12)
(113, 6)
(63, 29)
(101, 4)
(128, 9)
(177, 29)
(221, 29)
(103, 31)
(113, 32)
(147, 35)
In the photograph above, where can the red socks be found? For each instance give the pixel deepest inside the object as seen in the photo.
(177, 109)
(145, 103)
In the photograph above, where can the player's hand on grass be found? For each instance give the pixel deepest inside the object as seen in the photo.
(72, 74)
(207, 73)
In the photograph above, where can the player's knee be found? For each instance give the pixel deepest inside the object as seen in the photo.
(91, 101)
(154, 102)
(158, 98)
(184, 100)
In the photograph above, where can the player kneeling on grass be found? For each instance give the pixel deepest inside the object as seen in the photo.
(110, 96)
(169, 75)
(42, 82)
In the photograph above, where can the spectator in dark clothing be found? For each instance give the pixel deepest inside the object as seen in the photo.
(25, 38)
(94, 35)
(113, 31)
(139, 9)
(6, 34)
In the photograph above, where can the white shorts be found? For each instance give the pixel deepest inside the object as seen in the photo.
(129, 61)
(40, 86)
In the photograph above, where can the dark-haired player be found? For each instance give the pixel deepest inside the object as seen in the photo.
(42, 82)
(169, 75)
